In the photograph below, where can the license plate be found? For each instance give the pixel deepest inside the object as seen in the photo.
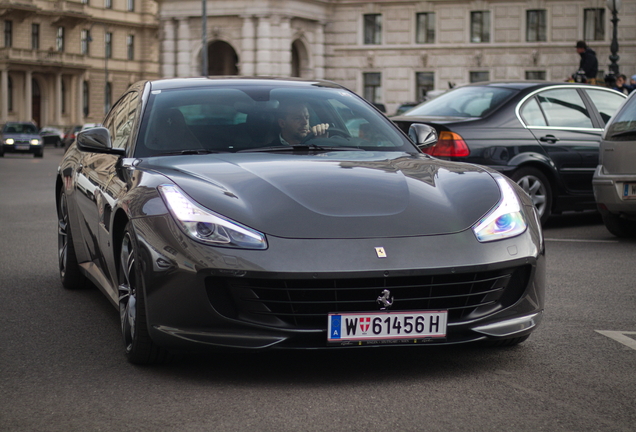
(22, 147)
(386, 327)
(629, 190)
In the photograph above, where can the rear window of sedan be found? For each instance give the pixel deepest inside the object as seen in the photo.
(464, 102)
(623, 126)
(235, 119)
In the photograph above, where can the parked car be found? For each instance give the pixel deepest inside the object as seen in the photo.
(21, 137)
(404, 107)
(207, 231)
(614, 180)
(52, 135)
(545, 136)
(70, 133)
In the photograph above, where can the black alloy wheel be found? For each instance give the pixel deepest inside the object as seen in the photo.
(537, 186)
(70, 273)
(140, 349)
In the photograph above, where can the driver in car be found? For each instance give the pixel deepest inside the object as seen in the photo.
(293, 120)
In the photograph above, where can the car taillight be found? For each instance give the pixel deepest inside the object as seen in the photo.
(449, 144)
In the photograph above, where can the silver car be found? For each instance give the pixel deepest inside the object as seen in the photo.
(614, 180)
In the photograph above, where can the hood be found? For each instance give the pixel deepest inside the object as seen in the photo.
(21, 136)
(335, 195)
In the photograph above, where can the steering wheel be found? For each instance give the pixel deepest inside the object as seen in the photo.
(331, 132)
(337, 132)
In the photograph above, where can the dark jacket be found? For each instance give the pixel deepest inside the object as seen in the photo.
(589, 63)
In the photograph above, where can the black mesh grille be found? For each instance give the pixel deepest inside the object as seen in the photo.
(305, 303)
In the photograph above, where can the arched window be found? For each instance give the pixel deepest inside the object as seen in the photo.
(85, 100)
(10, 94)
(222, 59)
(107, 97)
(63, 95)
(299, 60)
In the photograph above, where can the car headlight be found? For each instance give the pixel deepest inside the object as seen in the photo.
(35, 141)
(505, 220)
(206, 226)
(9, 141)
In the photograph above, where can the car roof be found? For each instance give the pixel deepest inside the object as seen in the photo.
(532, 85)
(231, 81)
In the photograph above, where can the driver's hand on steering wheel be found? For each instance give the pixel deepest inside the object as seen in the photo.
(319, 129)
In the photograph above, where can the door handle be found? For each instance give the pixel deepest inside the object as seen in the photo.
(550, 139)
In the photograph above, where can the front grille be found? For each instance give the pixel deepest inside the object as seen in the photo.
(305, 303)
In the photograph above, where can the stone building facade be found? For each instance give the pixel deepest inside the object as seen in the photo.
(393, 51)
(65, 62)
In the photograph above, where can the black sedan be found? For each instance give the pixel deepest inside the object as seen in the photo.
(545, 136)
(245, 214)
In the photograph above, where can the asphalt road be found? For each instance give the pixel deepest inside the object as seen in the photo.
(62, 366)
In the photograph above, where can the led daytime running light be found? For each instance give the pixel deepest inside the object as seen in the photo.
(205, 226)
(506, 220)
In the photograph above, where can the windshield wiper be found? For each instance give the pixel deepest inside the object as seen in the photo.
(624, 133)
(299, 147)
(190, 152)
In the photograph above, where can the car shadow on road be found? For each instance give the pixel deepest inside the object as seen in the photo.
(342, 367)
(574, 219)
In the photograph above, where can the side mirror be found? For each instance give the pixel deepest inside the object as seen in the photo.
(423, 135)
(97, 140)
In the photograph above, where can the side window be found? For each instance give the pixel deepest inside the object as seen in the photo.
(606, 102)
(531, 114)
(120, 119)
(564, 108)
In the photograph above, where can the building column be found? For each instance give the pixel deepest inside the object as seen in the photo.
(168, 55)
(183, 48)
(4, 94)
(318, 51)
(28, 95)
(284, 47)
(248, 46)
(263, 46)
(57, 101)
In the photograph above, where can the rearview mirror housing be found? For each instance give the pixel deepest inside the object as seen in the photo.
(423, 135)
(97, 140)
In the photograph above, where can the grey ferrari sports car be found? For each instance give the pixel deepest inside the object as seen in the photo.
(251, 214)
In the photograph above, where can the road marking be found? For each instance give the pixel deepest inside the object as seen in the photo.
(620, 337)
(580, 241)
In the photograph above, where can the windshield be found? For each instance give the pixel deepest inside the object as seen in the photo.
(470, 101)
(21, 128)
(248, 117)
(623, 123)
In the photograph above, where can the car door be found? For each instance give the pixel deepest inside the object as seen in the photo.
(569, 132)
(120, 123)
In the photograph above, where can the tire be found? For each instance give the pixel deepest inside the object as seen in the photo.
(505, 342)
(139, 347)
(537, 186)
(70, 273)
(620, 227)
(39, 154)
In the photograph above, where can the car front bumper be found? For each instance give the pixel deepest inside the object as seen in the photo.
(21, 148)
(199, 297)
